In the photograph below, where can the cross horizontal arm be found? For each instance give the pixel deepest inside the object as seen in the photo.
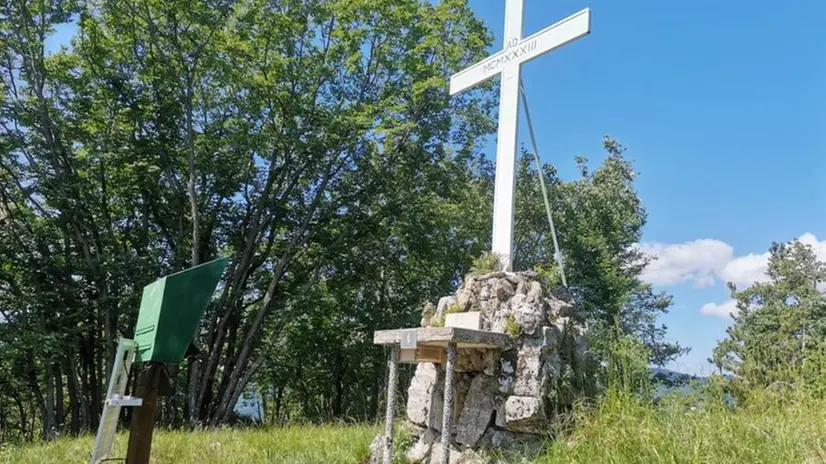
(573, 27)
(569, 29)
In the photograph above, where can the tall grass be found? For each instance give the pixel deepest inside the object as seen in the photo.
(621, 428)
(300, 445)
(722, 421)
(627, 429)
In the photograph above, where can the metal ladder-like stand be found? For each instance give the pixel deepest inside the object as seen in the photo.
(115, 399)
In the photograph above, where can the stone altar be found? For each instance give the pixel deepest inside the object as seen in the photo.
(504, 382)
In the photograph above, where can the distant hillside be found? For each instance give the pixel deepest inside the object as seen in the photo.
(667, 381)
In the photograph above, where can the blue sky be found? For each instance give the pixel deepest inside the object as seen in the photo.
(722, 108)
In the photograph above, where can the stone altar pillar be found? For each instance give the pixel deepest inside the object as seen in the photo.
(504, 396)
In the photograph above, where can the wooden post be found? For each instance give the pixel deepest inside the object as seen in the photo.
(143, 417)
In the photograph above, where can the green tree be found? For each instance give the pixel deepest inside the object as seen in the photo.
(599, 219)
(314, 142)
(779, 331)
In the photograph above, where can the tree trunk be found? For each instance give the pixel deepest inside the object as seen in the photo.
(193, 199)
(49, 409)
(76, 423)
(58, 399)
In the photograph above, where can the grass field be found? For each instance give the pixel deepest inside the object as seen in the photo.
(325, 444)
(620, 430)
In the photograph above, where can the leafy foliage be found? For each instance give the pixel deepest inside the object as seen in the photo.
(486, 263)
(599, 219)
(778, 334)
(314, 143)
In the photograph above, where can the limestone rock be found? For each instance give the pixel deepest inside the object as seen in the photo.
(507, 374)
(499, 412)
(529, 274)
(463, 300)
(494, 438)
(477, 411)
(469, 361)
(525, 414)
(460, 394)
(503, 289)
(529, 316)
(551, 338)
(581, 346)
(421, 449)
(535, 292)
(376, 450)
(490, 359)
(500, 398)
(531, 374)
(427, 314)
(492, 276)
(498, 320)
(444, 303)
(470, 456)
(424, 401)
(477, 361)
(437, 450)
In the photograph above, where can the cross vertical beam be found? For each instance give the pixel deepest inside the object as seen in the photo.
(507, 63)
(504, 199)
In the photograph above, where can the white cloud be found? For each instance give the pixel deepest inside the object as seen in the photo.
(720, 310)
(746, 270)
(706, 262)
(819, 247)
(698, 262)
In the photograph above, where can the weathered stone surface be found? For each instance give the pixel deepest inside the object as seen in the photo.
(524, 413)
(463, 299)
(493, 276)
(505, 375)
(563, 308)
(535, 292)
(551, 338)
(437, 450)
(503, 289)
(441, 308)
(420, 450)
(469, 361)
(376, 450)
(581, 346)
(477, 411)
(531, 374)
(494, 438)
(490, 359)
(460, 393)
(477, 361)
(498, 320)
(441, 336)
(414, 430)
(529, 316)
(470, 456)
(522, 288)
(425, 397)
(499, 411)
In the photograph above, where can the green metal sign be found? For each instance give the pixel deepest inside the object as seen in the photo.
(171, 311)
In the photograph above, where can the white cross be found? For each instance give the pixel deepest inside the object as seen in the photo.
(508, 62)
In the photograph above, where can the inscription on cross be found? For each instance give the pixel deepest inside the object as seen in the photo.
(508, 62)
